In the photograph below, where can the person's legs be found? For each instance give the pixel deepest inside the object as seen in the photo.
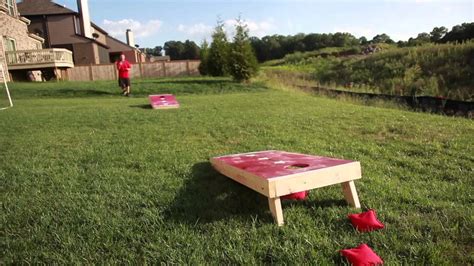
(127, 84)
(123, 86)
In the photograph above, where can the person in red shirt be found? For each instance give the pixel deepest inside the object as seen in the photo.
(123, 68)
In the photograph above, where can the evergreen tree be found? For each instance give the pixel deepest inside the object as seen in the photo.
(242, 62)
(218, 52)
(204, 66)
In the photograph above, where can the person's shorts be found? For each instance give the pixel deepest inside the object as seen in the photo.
(124, 82)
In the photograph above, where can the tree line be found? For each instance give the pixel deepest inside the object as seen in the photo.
(277, 46)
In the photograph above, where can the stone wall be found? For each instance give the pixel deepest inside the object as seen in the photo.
(2, 61)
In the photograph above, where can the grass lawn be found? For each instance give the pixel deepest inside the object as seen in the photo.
(92, 177)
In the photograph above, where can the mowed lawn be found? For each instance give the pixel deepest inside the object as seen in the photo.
(88, 176)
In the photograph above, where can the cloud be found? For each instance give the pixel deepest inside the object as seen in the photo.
(204, 31)
(199, 30)
(357, 31)
(140, 29)
(256, 28)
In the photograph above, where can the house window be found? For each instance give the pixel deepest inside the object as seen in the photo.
(11, 7)
(77, 25)
(10, 44)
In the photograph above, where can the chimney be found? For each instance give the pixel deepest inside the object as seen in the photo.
(130, 38)
(83, 8)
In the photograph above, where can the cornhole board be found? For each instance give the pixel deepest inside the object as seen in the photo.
(278, 173)
(163, 101)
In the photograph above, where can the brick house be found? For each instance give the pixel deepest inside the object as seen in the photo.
(62, 27)
(14, 33)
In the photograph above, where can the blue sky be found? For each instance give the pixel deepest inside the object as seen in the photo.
(156, 21)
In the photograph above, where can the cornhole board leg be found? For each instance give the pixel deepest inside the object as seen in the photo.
(350, 193)
(276, 210)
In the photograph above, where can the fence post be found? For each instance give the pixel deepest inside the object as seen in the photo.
(187, 68)
(141, 69)
(91, 74)
(164, 68)
(114, 69)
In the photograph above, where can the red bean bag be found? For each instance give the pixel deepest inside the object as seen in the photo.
(296, 196)
(362, 255)
(366, 221)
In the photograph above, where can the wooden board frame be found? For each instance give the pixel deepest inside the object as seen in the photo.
(275, 187)
(165, 107)
(174, 105)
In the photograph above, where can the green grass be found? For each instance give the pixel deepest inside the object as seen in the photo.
(103, 179)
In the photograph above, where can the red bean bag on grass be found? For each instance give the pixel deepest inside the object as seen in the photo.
(366, 221)
(362, 255)
(296, 196)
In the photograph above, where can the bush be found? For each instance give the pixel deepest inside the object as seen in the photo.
(242, 62)
(217, 61)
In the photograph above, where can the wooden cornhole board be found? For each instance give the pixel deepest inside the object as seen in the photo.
(278, 173)
(163, 101)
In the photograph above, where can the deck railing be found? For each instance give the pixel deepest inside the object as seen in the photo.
(44, 58)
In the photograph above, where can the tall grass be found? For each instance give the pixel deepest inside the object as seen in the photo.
(445, 70)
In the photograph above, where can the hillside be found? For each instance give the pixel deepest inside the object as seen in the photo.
(445, 70)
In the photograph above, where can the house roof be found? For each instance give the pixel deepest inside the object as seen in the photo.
(95, 26)
(48, 7)
(119, 45)
(42, 7)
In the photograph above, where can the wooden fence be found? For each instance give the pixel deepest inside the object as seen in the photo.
(143, 70)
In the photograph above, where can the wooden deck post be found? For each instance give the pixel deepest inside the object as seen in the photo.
(57, 74)
(276, 210)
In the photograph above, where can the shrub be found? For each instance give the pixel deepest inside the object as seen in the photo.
(242, 62)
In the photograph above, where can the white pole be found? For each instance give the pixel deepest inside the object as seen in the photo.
(6, 88)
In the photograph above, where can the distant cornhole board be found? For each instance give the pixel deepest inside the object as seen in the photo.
(163, 101)
(277, 173)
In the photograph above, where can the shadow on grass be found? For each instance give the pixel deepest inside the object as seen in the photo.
(327, 203)
(199, 81)
(79, 92)
(209, 196)
(142, 106)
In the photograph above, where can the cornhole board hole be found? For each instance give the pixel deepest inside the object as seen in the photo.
(278, 173)
(163, 101)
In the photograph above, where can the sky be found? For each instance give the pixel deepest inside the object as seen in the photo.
(156, 21)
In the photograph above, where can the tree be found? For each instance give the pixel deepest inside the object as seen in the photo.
(460, 33)
(344, 39)
(153, 51)
(218, 52)
(438, 33)
(382, 38)
(363, 40)
(242, 62)
(174, 49)
(422, 38)
(204, 54)
(191, 50)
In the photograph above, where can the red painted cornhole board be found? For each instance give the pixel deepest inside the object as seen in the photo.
(279, 173)
(163, 101)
